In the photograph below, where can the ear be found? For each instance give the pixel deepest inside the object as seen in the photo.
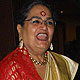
(19, 28)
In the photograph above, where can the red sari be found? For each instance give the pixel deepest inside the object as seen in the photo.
(18, 66)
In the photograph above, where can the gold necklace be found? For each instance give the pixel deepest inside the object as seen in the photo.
(45, 60)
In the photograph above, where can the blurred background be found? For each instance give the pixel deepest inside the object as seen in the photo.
(66, 39)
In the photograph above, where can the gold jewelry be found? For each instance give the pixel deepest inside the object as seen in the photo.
(20, 41)
(20, 37)
(45, 58)
(40, 63)
(21, 44)
(51, 47)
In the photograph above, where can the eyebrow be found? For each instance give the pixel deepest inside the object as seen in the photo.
(48, 18)
(35, 17)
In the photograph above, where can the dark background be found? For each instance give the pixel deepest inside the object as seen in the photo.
(67, 32)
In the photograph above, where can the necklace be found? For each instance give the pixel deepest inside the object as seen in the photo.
(45, 58)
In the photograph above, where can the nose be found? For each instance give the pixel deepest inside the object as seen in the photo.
(43, 25)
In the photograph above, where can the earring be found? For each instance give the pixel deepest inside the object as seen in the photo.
(51, 47)
(21, 44)
(20, 38)
(20, 41)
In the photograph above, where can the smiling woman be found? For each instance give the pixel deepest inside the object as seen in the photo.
(31, 60)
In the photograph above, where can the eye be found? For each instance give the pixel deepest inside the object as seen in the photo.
(49, 23)
(35, 21)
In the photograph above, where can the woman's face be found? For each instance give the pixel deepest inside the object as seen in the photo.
(38, 29)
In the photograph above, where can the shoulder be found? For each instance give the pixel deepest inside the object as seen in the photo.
(7, 65)
(10, 56)
(60, 56)
(71, 65)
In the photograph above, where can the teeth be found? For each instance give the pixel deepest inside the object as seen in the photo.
(45, 35)
(42, 36)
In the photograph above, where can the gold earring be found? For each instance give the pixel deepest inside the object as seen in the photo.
(21, 44)
(51, 47)
(20, 37)
(20, 41)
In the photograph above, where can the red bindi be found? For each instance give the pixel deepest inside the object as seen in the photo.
(43, 13)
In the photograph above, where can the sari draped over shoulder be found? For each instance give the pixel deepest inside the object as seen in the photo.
(60, 67)
(19, 66)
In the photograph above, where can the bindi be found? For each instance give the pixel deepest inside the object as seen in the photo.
(43, 13)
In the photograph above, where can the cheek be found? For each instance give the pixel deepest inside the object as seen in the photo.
(32, 31)
(51, 31)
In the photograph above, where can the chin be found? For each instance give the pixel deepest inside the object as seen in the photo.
(43, 44)
(43, 47)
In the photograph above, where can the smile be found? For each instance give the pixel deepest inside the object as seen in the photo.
(42, 36)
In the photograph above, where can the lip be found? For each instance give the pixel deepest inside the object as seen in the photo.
(42, 36)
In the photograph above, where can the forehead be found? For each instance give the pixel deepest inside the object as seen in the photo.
(39, 10)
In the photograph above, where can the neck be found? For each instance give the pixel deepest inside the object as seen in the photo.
(39, 59)
(35, 51)
(37, 55)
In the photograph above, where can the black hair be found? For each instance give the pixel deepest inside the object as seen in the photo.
(23, 12)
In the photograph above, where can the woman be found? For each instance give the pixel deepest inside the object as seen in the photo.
(31, 60)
